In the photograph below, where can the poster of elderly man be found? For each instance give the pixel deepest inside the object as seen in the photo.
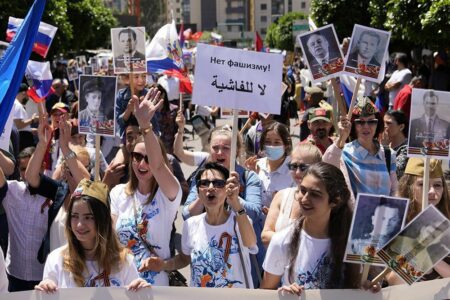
(128, 47)
(368, 48)
(429, 126)
(322, 53)
(376, 220)
(96, 110)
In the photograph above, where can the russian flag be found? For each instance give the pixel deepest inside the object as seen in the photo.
(41, 77)
(164, 51)
(348, 84)
(43, 39)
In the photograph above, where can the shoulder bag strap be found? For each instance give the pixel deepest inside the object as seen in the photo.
(240, 255)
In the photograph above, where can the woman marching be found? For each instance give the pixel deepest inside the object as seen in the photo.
(146, 206)
(93, 257)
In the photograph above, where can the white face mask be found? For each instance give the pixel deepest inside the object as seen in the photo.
(274, 152)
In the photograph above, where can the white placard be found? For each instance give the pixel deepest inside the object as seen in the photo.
(238, 79)
(6, 134)
(429, 124)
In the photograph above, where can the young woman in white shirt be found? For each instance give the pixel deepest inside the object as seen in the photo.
(92, 256)
(316, 242)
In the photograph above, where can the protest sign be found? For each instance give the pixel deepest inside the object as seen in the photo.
(88, 70)
(81, 60)
(97, 97)
(419, 246)
(322, 53)
(434, 289)
(238, 79)
(429, 125)
(376, 220)
(94, 64)
(367, 53)
(128, 47)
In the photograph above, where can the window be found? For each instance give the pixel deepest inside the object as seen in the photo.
(177, 10)
(178, 21)
(263, 6)
(303, 5)
(263, 19)
(263, 30)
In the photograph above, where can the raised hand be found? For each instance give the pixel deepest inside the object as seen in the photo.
(180, 120)
(232, 189)
(44, 130)
(144, 110)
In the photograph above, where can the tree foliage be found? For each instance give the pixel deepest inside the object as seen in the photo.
(82, 24)
(413, 23)
(153, 15)
(279, 33)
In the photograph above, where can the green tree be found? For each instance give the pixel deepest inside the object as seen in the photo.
(153, 15)
(279, 34)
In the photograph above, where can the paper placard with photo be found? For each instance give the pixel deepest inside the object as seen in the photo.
(367, 52)
(72, 72)
(429, 124)
(376, 220)
(322, 53)
(128, 47)
(81, 60)
(95, 65)
(97, 102)
(423, 243)
(87, 70)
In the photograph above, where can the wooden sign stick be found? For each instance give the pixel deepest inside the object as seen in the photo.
(234, 141)
(97, 158)
(426, 182)
(365, 273)
(355, 95)
(337, 96)
(381, 276)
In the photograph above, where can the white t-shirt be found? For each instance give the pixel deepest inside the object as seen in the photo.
(57, 230)
(54, 270)
(313, 263)
(3, 277)
(156, 218)
(200, 157)
(287, 200)
(403, 76)
(19, 113)
(207, 245)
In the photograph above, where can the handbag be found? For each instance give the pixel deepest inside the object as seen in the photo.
(175, 277)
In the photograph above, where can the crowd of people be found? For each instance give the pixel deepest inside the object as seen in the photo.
(278, 219)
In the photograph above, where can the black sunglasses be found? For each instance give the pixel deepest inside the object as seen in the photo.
(138, 157)
(372, 122)
(295, 167)
(217, 183)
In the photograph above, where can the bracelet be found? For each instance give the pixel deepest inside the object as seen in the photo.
(70, 155)
(241, 211)
(144, 131)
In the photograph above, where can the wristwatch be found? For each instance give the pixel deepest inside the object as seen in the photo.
(70, 155)
(241, 211)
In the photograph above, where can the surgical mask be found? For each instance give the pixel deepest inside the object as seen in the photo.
(274, 152)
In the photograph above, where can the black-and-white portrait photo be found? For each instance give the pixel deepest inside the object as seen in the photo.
(376, 220)
(419, 246)
(368, 47)
(72, 72)
(87, 70)
(429, 129)
(322, 53)
(97, 97)
(128, 46)
(81, 60)
(94, 63)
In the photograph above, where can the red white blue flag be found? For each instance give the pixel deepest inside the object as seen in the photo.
(41, 77)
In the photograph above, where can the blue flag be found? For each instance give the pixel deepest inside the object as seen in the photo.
(15, 60)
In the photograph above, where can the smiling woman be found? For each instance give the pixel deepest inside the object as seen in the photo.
(93, 256)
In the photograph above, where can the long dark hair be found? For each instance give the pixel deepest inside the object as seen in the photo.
(338, 227)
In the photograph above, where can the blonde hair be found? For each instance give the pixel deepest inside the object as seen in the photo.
(108, 252)
(227, 131)
(308, 150)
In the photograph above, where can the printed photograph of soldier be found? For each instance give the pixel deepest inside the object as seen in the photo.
(376, 220)
(321, 52)
(128, 46)
(367, 51)
(96, 114)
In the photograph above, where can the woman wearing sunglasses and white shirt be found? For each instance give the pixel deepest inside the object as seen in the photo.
(216, 243)
(363, 161)
(146, 206)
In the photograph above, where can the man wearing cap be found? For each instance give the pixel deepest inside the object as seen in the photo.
(58, 112)
(319, 123)
(21, 118)
(313, 96)
(92, 91)
(429, 127)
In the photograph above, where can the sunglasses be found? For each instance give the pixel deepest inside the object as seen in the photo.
(138, 157)
(295, 167)
(217, 183)
(371, 122)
